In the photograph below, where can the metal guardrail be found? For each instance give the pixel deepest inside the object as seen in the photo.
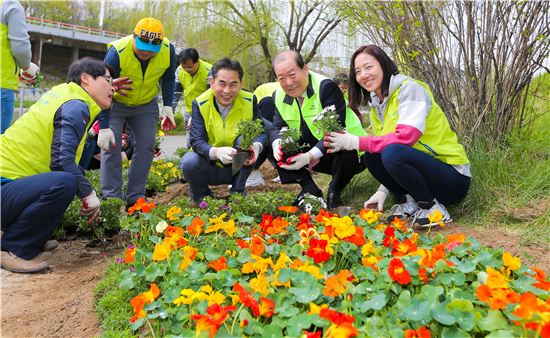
(73, 28)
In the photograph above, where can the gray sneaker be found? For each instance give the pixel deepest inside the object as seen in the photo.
(403, 210)
(422, 216)
(13, 263)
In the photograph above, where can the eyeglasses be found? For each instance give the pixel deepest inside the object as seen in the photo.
(156, 41)
(108, 79)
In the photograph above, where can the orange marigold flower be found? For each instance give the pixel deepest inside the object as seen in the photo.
(358, 238)
(496, 298)
(430, 257)
(129, 255)
(322, 216)
(217, 315)
(139, 301)
(336, 285)
(341, 331)
(399, 224)
(423, 275)
(398, 272)
(371, 261)
(317, 250)
(532, 308)
(403, 248)
(267, 307)
(257, 246)
(288, 208)
(162, 250)
(541, 279)
(421, 332)
(242, 244)
(219, 264)
(195, 228)
(141, 205)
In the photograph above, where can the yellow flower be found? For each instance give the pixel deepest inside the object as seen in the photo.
(330, 242)
(216, 220)
(260, 284)
(172, 212)
(368, 248)
(495, 280)
(187, 297)
(282, 262)
(162, 250)
(315, 309)
(511, 262)
(343, 227)
(311, 269)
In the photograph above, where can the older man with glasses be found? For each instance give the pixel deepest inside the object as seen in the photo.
(143, 59)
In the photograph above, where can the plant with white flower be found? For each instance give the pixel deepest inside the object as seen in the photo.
(290, 138)
(311, 203)
(327, 120)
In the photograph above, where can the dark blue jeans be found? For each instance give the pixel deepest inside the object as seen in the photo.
(405, 170)
(31, 209)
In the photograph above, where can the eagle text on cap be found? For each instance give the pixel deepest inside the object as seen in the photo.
(149, 35)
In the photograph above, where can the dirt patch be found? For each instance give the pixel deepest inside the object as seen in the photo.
(59, 302)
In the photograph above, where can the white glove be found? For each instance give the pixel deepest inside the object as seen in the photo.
(167, 118)
(225, 154)
(298, 162)
(105, 138)
(90, 207)
(337, 141)
(255, 147)
(277, 150)
(377, 200)
(30, 73)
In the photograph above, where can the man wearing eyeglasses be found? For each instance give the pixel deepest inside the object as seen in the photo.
(39, 174)
(146, 59)
(191, 80)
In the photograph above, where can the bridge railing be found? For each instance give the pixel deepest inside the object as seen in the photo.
(74, 28)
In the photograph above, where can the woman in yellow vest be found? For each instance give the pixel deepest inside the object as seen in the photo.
(413, 153)
(39, 170)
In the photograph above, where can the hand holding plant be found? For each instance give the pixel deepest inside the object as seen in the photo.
(249, 130)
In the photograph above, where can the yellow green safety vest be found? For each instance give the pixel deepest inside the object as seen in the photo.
(25, 148)
(266, 89)
(311, 106)
(145, 87)
(438, 139)
(195, 85)
(224, 133)
(9, 77)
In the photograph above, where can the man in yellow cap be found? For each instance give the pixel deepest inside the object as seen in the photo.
(146, 58)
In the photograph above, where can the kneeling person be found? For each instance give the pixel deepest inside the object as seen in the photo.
(213, 136)
(39, 155)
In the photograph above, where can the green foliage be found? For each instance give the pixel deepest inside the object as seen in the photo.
(112, 304)
(248, 131)
(181, 151)
(290, 138)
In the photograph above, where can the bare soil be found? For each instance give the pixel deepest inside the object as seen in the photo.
(59, 302)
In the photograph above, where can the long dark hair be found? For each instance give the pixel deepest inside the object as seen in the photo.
(358, 94)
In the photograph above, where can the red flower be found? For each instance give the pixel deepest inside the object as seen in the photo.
(308, 334)
(217, 314)
(267, 307)
(303, 222)
(398, 272)
(317, 250)
(247, 299)
(389, 236)
(421, 332)
(242, 244)
(423, 274)
(403, 248)
(219, 264)
(336, 317)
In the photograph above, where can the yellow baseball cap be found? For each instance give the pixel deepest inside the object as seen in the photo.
(148, 34)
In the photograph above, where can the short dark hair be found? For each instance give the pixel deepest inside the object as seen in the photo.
(341, 77)
(227, 63)
(188, 53)
(88, 65)
(358, 94)
(298, 59)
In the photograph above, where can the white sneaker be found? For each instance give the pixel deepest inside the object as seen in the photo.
(422, 216)
(404, 210)
(276, 180)
(255, 179)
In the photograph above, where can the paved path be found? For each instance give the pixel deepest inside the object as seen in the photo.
(169, 144)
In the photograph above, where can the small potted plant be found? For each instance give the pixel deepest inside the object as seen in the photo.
(327, 121)
(248, 131)
(290, 144)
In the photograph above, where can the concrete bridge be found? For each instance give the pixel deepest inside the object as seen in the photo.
(57, 44)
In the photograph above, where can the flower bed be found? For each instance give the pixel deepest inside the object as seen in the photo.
(322, 276)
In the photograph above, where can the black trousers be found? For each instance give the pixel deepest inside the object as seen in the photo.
(342, 166)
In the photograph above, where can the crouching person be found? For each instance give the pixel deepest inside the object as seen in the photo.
(213, 135)
(39, 169)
